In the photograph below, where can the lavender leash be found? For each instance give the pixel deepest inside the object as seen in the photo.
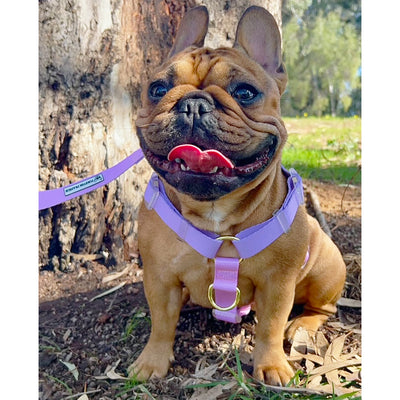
(51, 198)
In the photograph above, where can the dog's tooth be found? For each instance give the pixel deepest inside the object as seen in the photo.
(184, 168)
(214, 170)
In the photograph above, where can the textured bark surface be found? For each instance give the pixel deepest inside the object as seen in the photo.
(224, 16)
(94, 56)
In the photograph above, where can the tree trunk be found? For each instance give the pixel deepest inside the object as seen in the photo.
(94, 56)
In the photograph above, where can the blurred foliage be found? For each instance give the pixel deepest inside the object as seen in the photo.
(322, 54)
(325, 149)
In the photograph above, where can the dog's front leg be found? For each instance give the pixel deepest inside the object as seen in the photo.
(165, 302)
(274, 300)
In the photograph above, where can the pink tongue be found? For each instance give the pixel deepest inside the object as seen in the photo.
(198, 160)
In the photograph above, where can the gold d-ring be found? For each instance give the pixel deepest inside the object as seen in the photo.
(227, 237)
(231, 239)
(216, 306)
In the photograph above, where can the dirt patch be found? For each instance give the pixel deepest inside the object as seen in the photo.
(102, 336)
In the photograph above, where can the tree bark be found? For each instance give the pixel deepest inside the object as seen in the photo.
(94, 56)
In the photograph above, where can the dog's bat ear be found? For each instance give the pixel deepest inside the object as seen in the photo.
(192, 30)
(258, 35)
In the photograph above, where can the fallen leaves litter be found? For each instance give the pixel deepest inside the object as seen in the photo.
(329, 367)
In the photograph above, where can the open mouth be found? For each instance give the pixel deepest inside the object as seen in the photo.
(207, 174)
(191, 159)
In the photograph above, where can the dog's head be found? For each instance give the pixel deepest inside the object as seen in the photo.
(210, 121)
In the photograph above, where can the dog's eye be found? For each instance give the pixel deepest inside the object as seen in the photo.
(245, 94)
(157, 90)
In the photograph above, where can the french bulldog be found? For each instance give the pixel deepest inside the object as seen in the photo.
(210, 127)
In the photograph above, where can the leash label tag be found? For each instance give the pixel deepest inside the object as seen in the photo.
(82, 185)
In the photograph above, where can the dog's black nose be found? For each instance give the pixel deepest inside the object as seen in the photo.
(196, 105)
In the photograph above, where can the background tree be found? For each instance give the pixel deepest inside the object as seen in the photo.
(94, 56)
(322, 55)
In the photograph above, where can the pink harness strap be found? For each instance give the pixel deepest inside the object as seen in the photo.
(227, 293)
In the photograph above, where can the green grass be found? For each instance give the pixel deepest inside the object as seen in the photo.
(59, 381)
(138, 319)
(326, 149)
(136, 388)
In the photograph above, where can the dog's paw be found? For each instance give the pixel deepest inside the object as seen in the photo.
(310, 323)
(151, 364)
(277, 374)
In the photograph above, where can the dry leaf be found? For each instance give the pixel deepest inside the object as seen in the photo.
(246, 355)
(114, 376)
(206, 373)
(110, 373)
(335, 365)
(107, 292)
(84, 397)
(350, 376)
(116, 275)
(213, 393)
(66, 335)
(309, 366)
(321, 344)
(71, 368)
(315, 382)
(334, 350)
(343, 301)
(302, 342)
(333, 378)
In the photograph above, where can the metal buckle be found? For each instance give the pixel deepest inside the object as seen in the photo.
(216, 306)
(156, 192)
(281, 218)
(297, 188)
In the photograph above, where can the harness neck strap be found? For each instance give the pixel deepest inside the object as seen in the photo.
(248, 242)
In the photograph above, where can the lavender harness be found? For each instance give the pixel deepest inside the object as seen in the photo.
(223, 293)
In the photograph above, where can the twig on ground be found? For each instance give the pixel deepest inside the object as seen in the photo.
(279, 389)
(346, 302)
(347, 186)
(318, 213)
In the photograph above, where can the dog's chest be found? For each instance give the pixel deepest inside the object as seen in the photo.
(210, 217)
(196, 273)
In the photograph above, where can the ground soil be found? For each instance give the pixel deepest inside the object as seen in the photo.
(102, 336)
